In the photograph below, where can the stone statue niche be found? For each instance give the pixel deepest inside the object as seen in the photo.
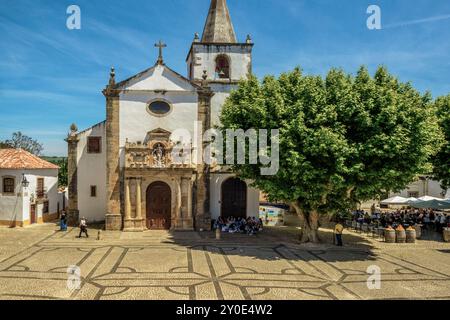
(159, 156)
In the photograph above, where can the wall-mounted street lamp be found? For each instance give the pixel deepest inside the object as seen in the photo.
(25, 182)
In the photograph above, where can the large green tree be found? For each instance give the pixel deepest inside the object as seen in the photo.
(343, 139)
(442, 160)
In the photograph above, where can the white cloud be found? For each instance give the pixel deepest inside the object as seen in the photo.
(418, 21)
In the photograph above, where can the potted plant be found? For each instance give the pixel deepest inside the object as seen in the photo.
(446, 234)
(400, 234)
(411, 235)
(389, 235)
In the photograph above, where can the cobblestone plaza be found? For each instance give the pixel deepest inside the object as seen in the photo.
(179, 266)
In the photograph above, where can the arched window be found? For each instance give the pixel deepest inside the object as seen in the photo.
(222, 67)
(8, 185)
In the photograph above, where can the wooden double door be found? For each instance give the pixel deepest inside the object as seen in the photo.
(159, 206)
(234, 198)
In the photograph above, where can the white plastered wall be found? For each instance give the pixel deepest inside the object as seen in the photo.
(11, 205)
(50, 177)
(424, 188)
(157, 84)
(16, 207)
(92, 172)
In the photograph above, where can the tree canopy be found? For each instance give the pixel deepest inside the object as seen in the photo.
(343, 138)
(442, 160)
(4, 145)
(21, 141)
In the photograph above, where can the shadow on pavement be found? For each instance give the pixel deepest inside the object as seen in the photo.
(278, 243)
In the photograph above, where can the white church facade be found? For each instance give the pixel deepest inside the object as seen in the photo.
(122, 171)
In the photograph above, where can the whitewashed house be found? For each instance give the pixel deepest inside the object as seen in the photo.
(423, 186)
(28, 189)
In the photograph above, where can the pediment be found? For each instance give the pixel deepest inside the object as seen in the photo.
(157, 78)
(158, 135)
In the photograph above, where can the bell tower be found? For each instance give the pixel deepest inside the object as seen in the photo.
(218, 52)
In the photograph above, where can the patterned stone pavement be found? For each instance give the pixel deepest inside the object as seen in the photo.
(158, 265)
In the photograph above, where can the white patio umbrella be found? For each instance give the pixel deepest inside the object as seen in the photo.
(412, 200)
(395, 200)
(428, 198)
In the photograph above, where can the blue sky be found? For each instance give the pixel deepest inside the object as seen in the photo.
(51, 77)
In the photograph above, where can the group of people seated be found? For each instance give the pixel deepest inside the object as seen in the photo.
(429, 219)
(249, 226)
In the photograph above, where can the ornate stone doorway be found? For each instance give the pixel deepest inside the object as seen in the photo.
(159, 203)
(234, 198)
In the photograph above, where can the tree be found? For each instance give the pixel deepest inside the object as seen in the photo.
(343, 139)
(4, 145)
(24, 142)
(62, 174)
(442, 160)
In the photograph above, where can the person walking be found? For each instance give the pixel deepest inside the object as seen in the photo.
(442, 222)
(63, 221)
(83, 227)
(338, 230)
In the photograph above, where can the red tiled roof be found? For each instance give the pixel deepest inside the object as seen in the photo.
(21, 159)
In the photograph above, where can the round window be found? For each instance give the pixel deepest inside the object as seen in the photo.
(159, 108)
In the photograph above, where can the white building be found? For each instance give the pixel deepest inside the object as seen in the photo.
(121, 170)
(424, 186)
(28, 190)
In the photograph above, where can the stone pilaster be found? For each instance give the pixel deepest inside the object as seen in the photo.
(202, 214)
(113, 214)
(133, 223)
(187, 183)
(184, 220)
(139, 222)
(73, 214)
(127, 199)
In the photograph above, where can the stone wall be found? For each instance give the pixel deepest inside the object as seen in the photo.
(113, 217)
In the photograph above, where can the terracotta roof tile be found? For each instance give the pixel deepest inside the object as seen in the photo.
(21, 159)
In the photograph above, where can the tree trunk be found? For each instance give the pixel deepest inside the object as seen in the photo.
(310, 225)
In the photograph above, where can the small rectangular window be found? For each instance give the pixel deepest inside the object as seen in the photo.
(413, 194)
(8, 185)
(46, 207)
(40, 188)
(94, 145)
(93, 191)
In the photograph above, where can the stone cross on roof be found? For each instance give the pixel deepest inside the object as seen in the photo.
(160, 45)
